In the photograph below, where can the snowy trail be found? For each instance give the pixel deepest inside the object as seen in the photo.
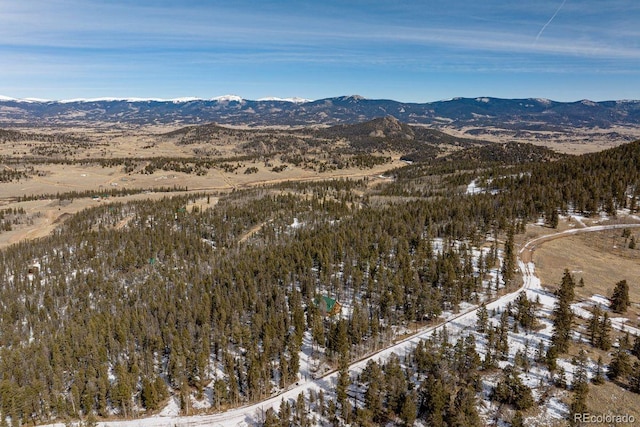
(250, 415)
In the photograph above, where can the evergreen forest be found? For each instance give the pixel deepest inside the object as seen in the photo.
(128, 305)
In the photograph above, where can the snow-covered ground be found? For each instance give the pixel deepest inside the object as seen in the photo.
(456, 324)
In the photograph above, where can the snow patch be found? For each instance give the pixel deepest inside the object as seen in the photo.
(294, 100)
(601, 300)
(172, 409)
(543, 101)
(227, 98)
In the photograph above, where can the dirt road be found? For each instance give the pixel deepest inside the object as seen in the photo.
(252, 414)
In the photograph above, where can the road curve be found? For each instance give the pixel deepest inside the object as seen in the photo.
(251, 414)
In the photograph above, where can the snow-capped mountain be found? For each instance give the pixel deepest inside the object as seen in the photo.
(531, 113)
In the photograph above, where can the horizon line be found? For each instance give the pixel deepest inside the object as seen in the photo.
(294, 100)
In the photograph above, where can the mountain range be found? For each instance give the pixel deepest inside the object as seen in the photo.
(518, 114)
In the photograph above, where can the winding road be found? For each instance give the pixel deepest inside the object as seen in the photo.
(252, 414)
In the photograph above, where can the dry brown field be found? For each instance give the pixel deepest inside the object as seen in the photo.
(573, 141)
(601, 259)
(138, 144)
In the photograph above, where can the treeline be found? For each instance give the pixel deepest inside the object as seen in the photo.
(111, 192)
(7, 135)
(336, 162)
(10, 175)
(604, 181)
(165, 163)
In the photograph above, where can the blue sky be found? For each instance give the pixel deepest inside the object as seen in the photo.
(414, 51)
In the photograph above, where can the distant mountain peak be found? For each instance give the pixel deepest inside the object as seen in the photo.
(390, 126)
(351, 98)
(294, 100)
(589, 103)
(389, 122)
(472, 113)
(227, 98)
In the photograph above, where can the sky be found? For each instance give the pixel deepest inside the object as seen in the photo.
(411, 51)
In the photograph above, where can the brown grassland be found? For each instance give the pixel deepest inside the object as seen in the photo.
(602, 259)
(137, 144)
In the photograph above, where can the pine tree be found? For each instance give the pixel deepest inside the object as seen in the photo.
(562, 314)
(580, 387)
(540, 355)
(578, 404)
(409, 410)
(620, 365)
(625, 341)
(502, 334)
(561, 378)
(636, 347)
(620, 298)
(598, 378)
(149, 395)
(470, 362)
(340, 339)
(604, 333)
(509, 262)
(284, 414)
(634, 379)
(343, 384)
(525, 312)
(553, 218)
(300, 417)
(593, 327)
(464, 412)
(434, 397)
(271, 418)
(373, 395)
(482, 319)
(395, 384)
(512, 391)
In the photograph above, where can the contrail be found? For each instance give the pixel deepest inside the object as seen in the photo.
(549, 22)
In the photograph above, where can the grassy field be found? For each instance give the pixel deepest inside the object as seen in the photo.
(601, 259)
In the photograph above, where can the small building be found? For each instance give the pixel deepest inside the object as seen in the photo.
(328, 306)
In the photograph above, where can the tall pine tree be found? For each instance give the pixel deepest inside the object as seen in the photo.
(562, 314)
(509, 262)
(620, 298)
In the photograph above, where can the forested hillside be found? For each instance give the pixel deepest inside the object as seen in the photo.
(128, 304)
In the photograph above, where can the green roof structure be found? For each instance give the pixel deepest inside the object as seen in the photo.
(331, 306)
